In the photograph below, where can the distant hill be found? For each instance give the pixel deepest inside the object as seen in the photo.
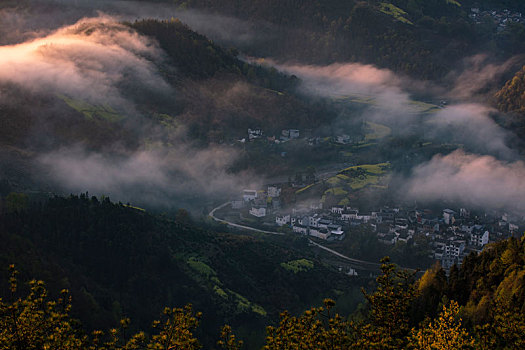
(419, 38)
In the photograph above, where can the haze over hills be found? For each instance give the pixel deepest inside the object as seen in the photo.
(407, 110)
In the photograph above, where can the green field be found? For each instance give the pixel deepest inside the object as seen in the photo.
(378, 131)
(207, 276)
(355, 178)
(394, 11)
(92, 112)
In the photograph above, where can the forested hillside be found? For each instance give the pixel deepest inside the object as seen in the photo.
(511, 98)
(420, 38)
(489, 314)
(120, 261)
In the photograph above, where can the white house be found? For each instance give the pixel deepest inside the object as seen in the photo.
(274, 191)
(479, 238)
(349, 214)
(258, 212)
(322, 233)
(300, 229)
(338, 209)
(249, 195)
(254, 134)
(448, 216)
(342, 139)
(336, 231)
(282, 220)
(294, 133)
(324, 223)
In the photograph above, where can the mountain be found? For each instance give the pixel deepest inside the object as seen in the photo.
(181, 89)
(118, 261)
(422, 39)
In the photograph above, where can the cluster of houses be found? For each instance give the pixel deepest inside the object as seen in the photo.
(260, 203)
(452, 234)
(501, 18)
(286, 135)
(293, 134)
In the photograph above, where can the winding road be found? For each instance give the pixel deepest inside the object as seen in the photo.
(367, 265)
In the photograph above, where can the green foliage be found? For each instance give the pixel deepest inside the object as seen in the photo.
(511, 98)
(117, 260)
(317, 328)
(389, 308)
(297, 266)
(34, 322)
(394, 11)
(445, 333)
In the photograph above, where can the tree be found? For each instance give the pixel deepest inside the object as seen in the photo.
(34, 322)
(389, 309)
(315, 329)
(445, 333)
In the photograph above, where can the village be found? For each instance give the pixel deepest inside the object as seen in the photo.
(448, 235)
(501, 18)
(451, 234)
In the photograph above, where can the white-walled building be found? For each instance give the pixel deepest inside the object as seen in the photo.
(274, 191)
(282, 220)
(258, 212)
(249, 195)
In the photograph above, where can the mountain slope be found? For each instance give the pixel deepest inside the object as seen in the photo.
(121, 261)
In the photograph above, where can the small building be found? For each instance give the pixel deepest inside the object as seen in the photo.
(336, 231)
(448, 216)
(254, 134)
(274, 191)
(294, 133)
(349, 214)
(249, 195)
(342, 139)
(479, 238)
(258, 212)
(321, 233)
(282, 220)
(298, 228)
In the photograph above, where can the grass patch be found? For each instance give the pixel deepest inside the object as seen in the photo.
(296, 266)
(343, 177)
(301, 190)
(220, 292)
(337, 191)
(344, 201)
(394, 11)
(92, 112)
(378, 131)
(368, 144)
(377, 169)
(132, 207)
(201, 268)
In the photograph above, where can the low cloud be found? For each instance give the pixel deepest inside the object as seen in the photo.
(472, 126)
(479, 76)
(87, 60)
(160, 177)
(469, 179)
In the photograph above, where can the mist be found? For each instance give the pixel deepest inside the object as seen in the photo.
(469, 179)
(87, 60)
(160, 178)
